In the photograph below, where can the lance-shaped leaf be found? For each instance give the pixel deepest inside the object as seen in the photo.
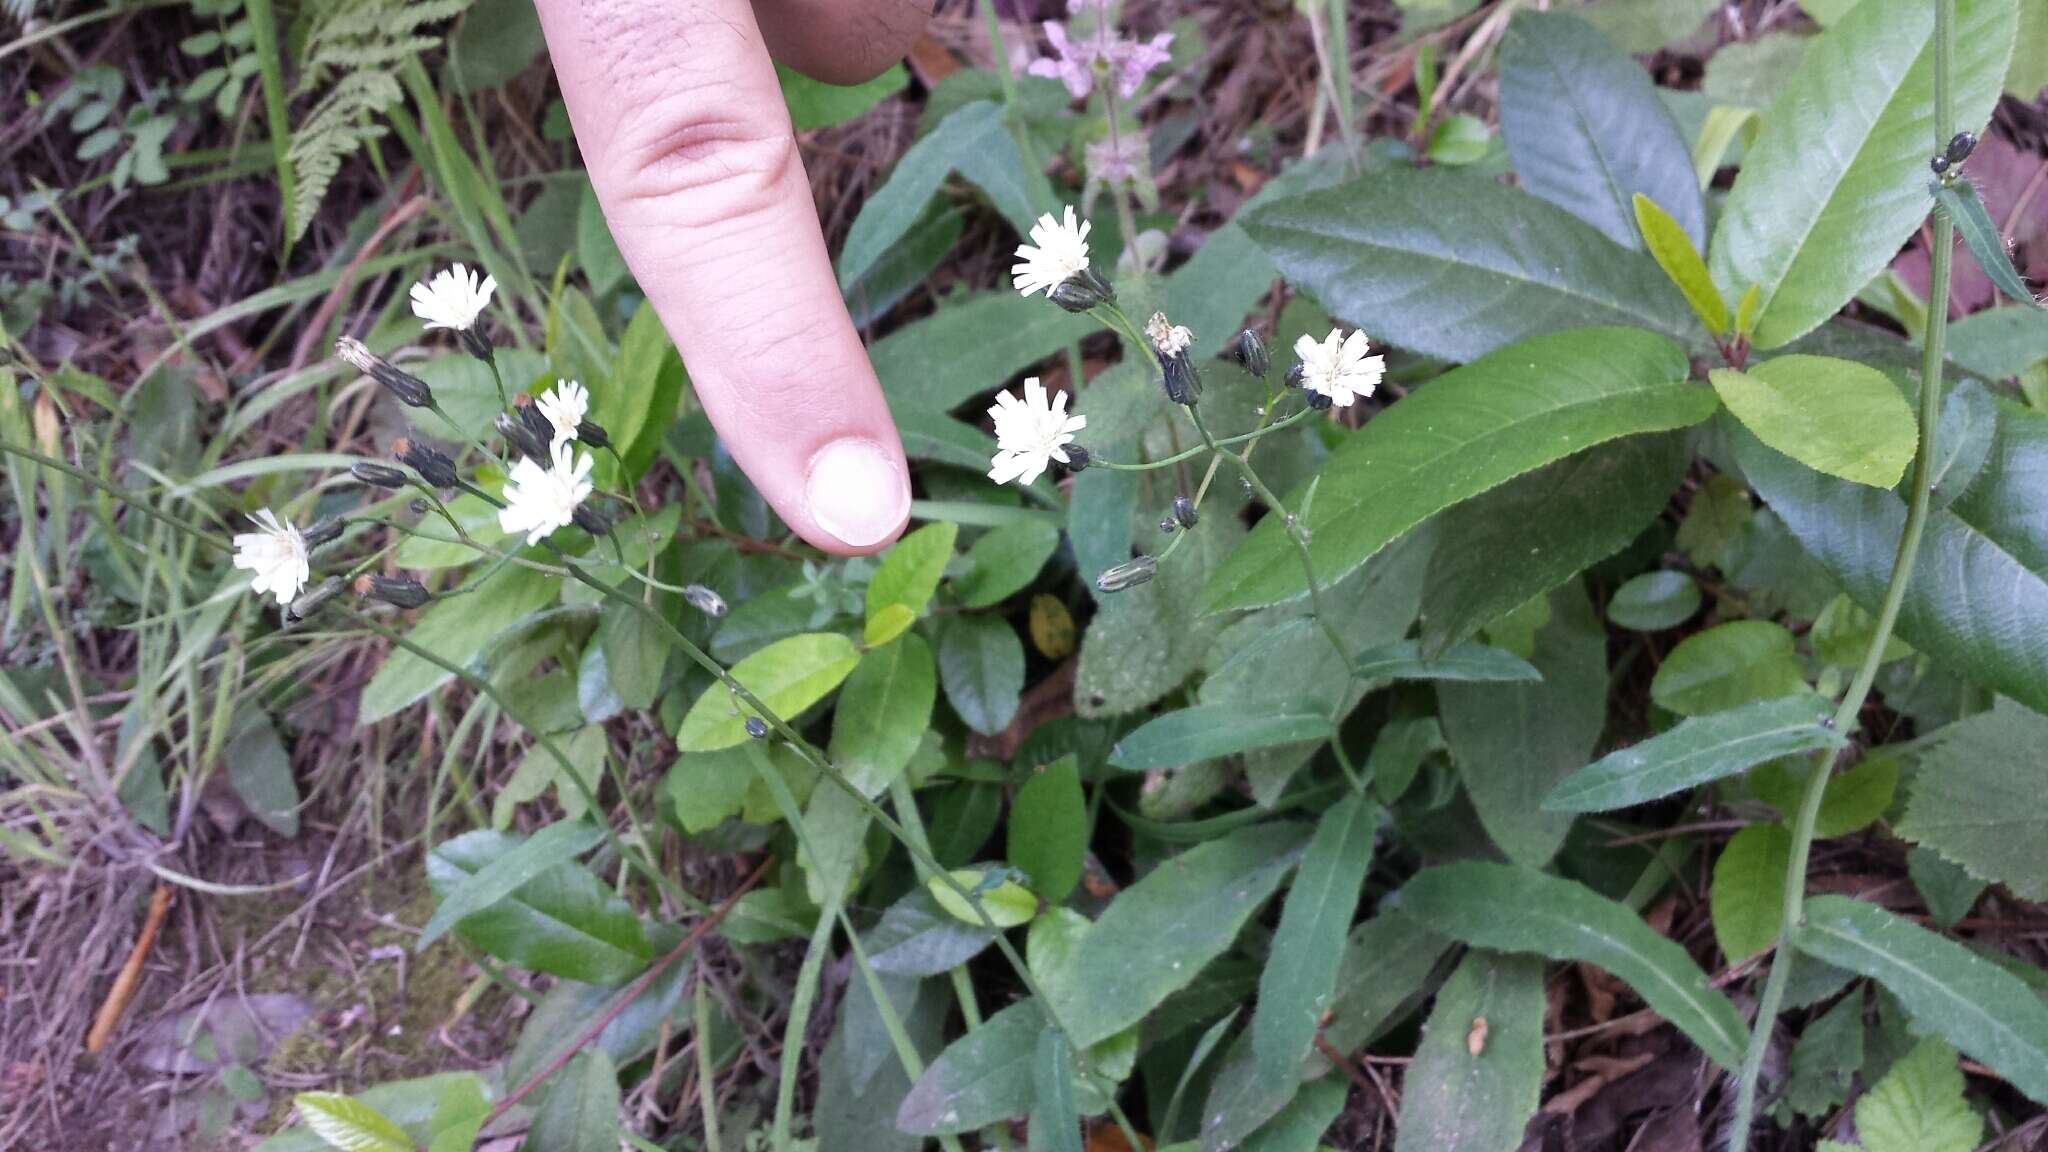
(1676, 254)
(1478, 1073)
(562, 921)
(788, 676)
(1207, 731)
(1982, 238)
(1698, 750)
(1475, 663)
(1301, 973)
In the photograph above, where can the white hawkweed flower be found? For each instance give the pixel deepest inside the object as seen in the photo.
(565, 405)
(1058, 251)
(1339, 367)
(453, 299)
(1171, 339)
(539, 500)
(1030, 433)
(276, 553)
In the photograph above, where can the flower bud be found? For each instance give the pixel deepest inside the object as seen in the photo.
(591, 519)
(1082, 292)
(1182, 383)
(1078, 458)
(476, 343)
(1129, 574)
(1940, 165)
(1295, 375)
(1959, 147)
(1251, 352)
(592, 434)
(325, 532)
(1168, 524)
(315, 598)
(398, 591)
(757, 728)
(1184, 511)
(433, 466)
(521, 438)
(704, 600)
(1319, 401)
(407, 388)
(378, 475)
(535, 420)
(419, 506)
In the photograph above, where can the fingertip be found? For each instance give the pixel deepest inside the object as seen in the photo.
(857, 496)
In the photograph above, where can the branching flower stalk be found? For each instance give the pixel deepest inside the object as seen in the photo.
(1941, 260)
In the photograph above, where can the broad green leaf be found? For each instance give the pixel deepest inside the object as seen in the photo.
(973, 141)
(1048, 833)
(1528, 536)
(1986, 1011)
(634, 655)
(1677, 254)
(459, 631)
(2028, 73)
(982, 1078)
(1145, 641)
(1513, 909)
(1809, 228)
(349, 1124)
(1638, 26)
(1468, 663)
(1300, 976)
(1209, 731)
(1748, 894)
(1158, 934)
(919, 938)
(1719, 513)
(860, 1078)
(1468, 431)
(1005, 561)
(1513, 742)
(555, 1027)
(815, 104)
(410, 1104)
(1727, 666)
(1999, 342)
(581, 1111)
(937, 363)
(1948, 890)
(563, 921)
(1460, 138)
(981, 665)
(1455, 266)
(1975, 798)
(1843, 633)
(1478, 1073)
(883, 713)
(638, 403)
(889, 623)
(1918, 1106)
(551, 847)
(260, 770)
(706, 788)
(1982, 237)
(1654, 601)
(1977, 604)
(1835, 416)
(1968, 428)
(1852, 800)
(1007, 903)
(1697, 751)
(1055, 1122)
(835, 834)
(788, 676)
(1387, 966)
(910, 573)
(1300, 1126)
(1586, 130)
(1750, 73)
(458, 1117)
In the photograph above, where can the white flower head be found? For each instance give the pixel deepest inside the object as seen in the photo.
(453, 299)
(1058, 252)
(565, 405)
(1030, 433)
(1339, 367)
(276, 553)
(1171, 339)
(539, 500)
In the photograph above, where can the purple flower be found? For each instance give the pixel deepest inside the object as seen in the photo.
(1130, 62)
(1073, 64)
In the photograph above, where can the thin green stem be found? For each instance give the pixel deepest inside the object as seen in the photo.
(1203, 450)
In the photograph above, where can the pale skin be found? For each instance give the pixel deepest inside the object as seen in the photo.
(683, 128)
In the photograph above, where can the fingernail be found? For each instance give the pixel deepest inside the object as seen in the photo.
(856, 492)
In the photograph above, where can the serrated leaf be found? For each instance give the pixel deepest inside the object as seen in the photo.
(1299, 979)
(1835, 416)
(1478, 1072)
(1948, 889)
(1810, 228)
(1748, 895)
(1987, 1012)
(1826, 1058)
(349, 1124)
(1512, 909)
(563, 921)
(1918, 1106)
(788, 676)
(1697, 751)
(1467, 663)
(1210, 731)
(981, 665)
(1982, 238)
(1727, 666)
(1048, 833)
(1586, 130)
(884, 710)
(1471, 429)
(1677, 254)
(910, 573)
(1975, 798)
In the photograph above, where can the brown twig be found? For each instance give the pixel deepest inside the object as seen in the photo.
(130, 978)
(311, 333)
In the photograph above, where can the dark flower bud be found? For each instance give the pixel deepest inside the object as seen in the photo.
(378, 475)
(535, 420)
(1960, 146)
(1082, 292)
(407, 388)
(1182, 383)
(521, 438)
(591, 519)
(1319, 401)
(315, 598)
(1939, 164)
(704, 600)
(433, 466)
(398, 591)
(1129, 574)
(476, 343)
(1184, 511)
(757, 728)
(1251, 352)
(592, 433)
(419, 506)
(1168, 524)
(1077, 458)
(325, 532)
(1294, 375)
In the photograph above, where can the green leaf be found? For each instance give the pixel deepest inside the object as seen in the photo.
(1455, 266)
(1677, 254)
(1654, 601)
(1005, 561)
(411, 1104)
(1918, 1106)
(459, 631)
(1299, 1127)
(581, 1111)
(1748, 895)
(883, 713)
(1300, 975)
(562, 921)
(1209, 731)
(1639, 26)
(910, 573)
(1999, 342)
(1530, 535)
(260, 770)
(1948, 890)
(981, 665)
(1727, 666)
(1459, 138)
(939, 362)
(1981, 608)
(1835, 416)
(788, 676)
(1048, 834)
(706, 788)
(1468, 431)
(917, 937)
(983, 1078)
(1459, 1099)
(1809, 228)
(1159, 933)
(1055, 1123)
(1975, 798)
(348, 1124)
(1144, 642)
(1982, 238)
(1986, 1011)
(1697, 751)
(815, 104)
(646, 382)
(552, 846)
(1826, 1058)
(1513, 909)
(634, 656)
(1008, 903)
(1968, 427)
(973, 141)
(1851, 801)
(1586, 130)
(1468, 663)
(1513, 742)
